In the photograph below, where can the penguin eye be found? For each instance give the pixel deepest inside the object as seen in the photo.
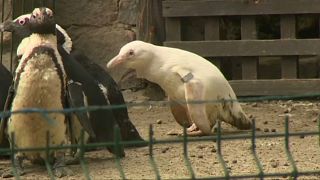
(131, 52)
(22, 21)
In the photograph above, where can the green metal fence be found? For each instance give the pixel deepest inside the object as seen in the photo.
(23, 6)
(218, 138)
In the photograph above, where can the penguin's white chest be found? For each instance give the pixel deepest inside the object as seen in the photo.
(39, 86)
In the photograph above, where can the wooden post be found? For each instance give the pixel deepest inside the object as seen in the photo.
(150, 22)
(248, 31)
(289, 64)
(212, 32)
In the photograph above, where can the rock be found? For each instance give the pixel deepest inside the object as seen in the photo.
(234, 161)
(254, 105)
(200, 156)
(173, 133)
(128, 11)
(88, 13)
(274, 164)
(265, 122)
(201, 146)
(288, 110)
(266, 130)
(273, 130)
(301, 136)
(159, 121)
(213, 150)
(164, 150)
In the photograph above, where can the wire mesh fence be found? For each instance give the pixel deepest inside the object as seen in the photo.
(218, 138)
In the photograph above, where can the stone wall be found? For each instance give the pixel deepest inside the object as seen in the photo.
(99, 27)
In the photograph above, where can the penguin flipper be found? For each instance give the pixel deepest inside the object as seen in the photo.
(4, 120)
(76, 98)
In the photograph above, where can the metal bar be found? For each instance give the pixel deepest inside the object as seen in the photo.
(219, 154)
(2, 20)
(48, 157)
(81, 157)
(13, 152)
(185, 154)
(304, 173)
(152, 161)
(117, 149)
(170, 141)
(12, 37)
(54, 6)
(288, 152)
(253, 150)
(23, 7)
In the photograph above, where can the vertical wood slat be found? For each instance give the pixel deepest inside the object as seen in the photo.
(248, 31)
(173, 29)
(289, 64)
(212, 32)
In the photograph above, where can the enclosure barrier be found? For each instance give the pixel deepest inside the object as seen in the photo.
(196, 26)
(218, 137)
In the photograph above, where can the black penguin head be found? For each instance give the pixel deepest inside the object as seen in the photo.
(42, 21)
(17, 26)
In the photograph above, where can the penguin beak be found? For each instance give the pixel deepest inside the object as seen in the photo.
(7, 26)
(116, 61)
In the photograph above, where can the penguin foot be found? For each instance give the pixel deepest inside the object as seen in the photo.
(17, 163)
(62, 171)
(10, 173)
(196, 133)
(59, 168)
(74, 159)
(192, 128)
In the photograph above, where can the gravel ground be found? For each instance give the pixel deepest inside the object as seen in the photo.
(169, 158)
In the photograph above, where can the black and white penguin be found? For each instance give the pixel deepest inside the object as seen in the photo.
(101, 78)
(108, 87)
(39, 82)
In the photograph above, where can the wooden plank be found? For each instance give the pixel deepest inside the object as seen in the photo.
(250, 47)
(289, 64)
(276, 87)
(173, 29)
(212, 32)
(178, 8)
(249, 64)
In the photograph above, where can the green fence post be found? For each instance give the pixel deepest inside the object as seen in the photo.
(48, 157)
(185, 153)
(117, 147)
(152, 161)
(253, 150)
(14, 169)
(294, 172)
(81, 156)
(220, 158)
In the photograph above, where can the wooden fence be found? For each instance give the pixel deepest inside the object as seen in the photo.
(248, 48)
